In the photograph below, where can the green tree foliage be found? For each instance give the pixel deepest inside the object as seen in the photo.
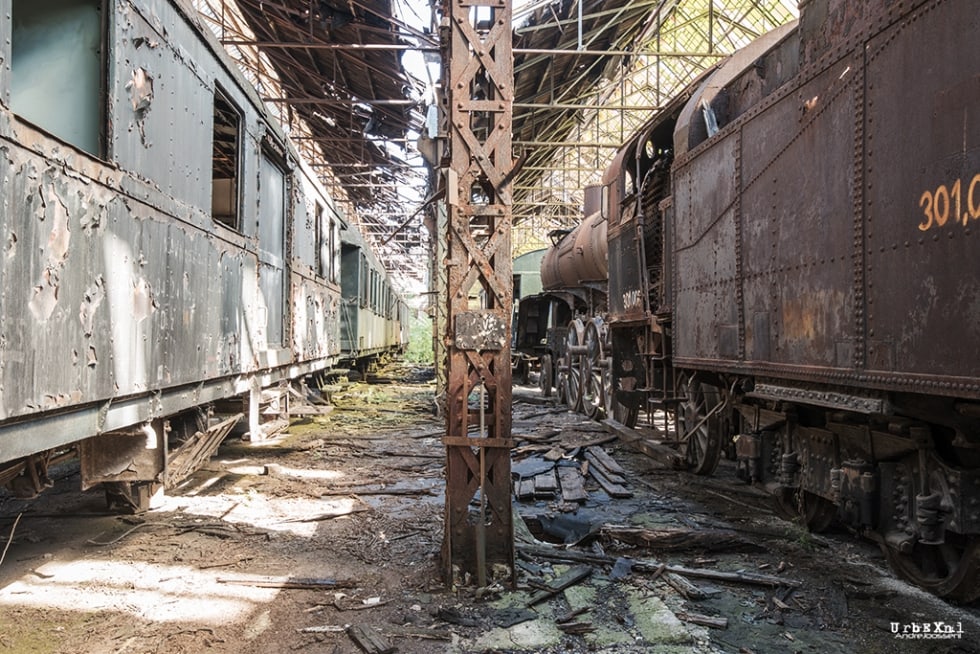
(420, 339)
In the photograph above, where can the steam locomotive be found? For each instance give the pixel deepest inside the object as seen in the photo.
(782, 265)
(168, 260)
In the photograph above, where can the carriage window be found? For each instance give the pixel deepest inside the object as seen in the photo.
(57, 69)
(323, 249)
(225, 161)
(335, 260)
(363, 285)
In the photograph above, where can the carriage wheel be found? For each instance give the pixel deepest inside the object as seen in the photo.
(546, 378)
(561, 380)
(950, 570)
(699, 438)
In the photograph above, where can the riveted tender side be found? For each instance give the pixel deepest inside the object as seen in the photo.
(792, 278)
(826, 286)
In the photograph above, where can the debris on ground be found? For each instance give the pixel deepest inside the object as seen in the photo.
(326, 538)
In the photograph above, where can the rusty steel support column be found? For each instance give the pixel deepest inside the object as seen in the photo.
(478, 78)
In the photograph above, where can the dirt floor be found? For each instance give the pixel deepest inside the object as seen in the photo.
(330, 533)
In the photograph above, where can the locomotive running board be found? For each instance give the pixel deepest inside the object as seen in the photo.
(828, 399)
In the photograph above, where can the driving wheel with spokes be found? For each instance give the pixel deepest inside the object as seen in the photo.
(593, 369)
(697, 425)
(573, 364)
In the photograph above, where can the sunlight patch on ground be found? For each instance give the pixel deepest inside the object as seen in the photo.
(296, 515)
(158, 593)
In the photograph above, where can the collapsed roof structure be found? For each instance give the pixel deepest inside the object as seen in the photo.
(586, 73)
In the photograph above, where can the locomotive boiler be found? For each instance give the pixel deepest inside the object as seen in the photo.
(155, 282)
(791, 277)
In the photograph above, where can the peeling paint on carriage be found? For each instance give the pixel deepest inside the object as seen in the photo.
(124, 298)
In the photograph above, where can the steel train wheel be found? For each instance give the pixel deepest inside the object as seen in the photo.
(950, 570)
(593, 392)
(546, 378)
(573, 365)
(561, 385)
(816, 512)
(627, 414)
(700, 440)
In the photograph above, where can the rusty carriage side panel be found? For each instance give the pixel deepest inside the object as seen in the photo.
(124, 299)
(130, 292)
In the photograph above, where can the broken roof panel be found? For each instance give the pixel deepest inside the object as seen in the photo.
(339, 64)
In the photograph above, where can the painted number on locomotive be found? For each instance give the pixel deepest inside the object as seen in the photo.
(961, 202)
(632, 301)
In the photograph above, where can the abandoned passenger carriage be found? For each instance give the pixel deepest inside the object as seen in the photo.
(792, 266)
(149, 270)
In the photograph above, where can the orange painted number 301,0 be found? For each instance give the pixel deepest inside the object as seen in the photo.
(945, 203)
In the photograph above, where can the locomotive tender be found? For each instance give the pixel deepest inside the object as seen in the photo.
(784, 262)
(163, 248)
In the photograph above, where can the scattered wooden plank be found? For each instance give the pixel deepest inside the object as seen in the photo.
(530, 467)
(341, 605)
(576, 627)
(605, 459)
(596, 464)
(541, 414)
(678, 539)
(324, 629)
(705, 620)
(652, 566)
(525, 489)
(557, 585)
(546, 484)
(532, 449)
(555, 453)
(429, 434)
(740, 577)
(333, 492)
(686, 588)
(571, 615)
(370, 640)
(528, 398)
(612, 488)
(637, 441)
(548, 436)
(286, 582)
(601, 440)
(418, 632)
(340, 512)
(572, 484)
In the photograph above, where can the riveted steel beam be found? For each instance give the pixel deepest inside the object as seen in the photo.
(478, 78)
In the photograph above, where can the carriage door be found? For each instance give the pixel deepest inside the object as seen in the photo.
(272, 233)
